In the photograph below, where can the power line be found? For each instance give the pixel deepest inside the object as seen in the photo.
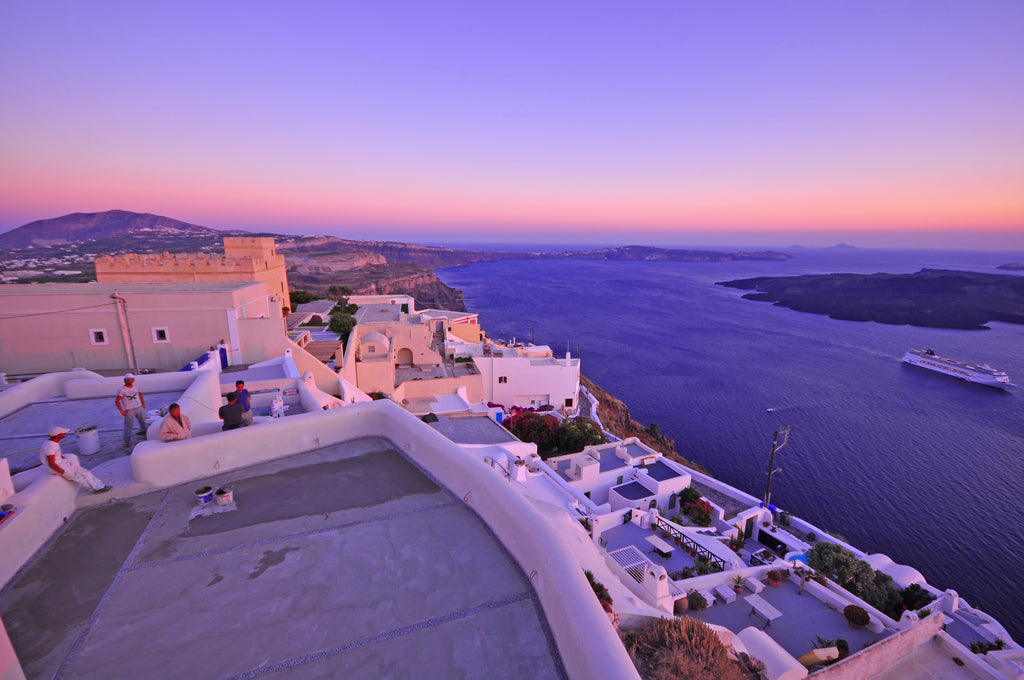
(56, 311)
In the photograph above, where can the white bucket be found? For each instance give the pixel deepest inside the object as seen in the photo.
(204, 495)
(88, 440)
(225, 495)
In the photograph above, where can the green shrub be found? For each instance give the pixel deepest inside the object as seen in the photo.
(603, 596)
(856, 615)
(689, 495)
(696, 600)
(915, 597)
(856, 576)
(574, 434)
(300, 297)
(342, 323)
(984, 646)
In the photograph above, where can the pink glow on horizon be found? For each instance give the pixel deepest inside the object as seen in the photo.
(669, 121)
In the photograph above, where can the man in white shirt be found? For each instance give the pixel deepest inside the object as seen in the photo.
(132, 405)
(67, 466)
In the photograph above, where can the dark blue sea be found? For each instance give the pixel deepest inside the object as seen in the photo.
(896, 459)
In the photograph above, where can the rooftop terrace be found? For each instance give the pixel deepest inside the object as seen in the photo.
(346, 561)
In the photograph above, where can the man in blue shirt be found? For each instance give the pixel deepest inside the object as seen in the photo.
(245, 400)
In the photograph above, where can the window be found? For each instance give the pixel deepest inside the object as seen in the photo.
(98, 336)
(568, 402)
(502, 379)
(619, 480)
(160, 335)
(370, 349)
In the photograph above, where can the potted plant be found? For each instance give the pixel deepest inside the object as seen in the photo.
(681, 605)
(737, 583)
(774, 577)
(856, 615)
(696, 600)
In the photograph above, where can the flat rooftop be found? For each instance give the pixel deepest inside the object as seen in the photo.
(473, 430)
(24, 431)
(346, 561)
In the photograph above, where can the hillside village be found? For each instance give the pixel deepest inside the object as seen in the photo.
(380, 463)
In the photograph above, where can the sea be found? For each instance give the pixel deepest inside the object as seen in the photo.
(895, 459)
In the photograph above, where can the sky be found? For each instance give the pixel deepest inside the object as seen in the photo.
(877, 123)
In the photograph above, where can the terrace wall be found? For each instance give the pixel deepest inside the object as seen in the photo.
(587, 643)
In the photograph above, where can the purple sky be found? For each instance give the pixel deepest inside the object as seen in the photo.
(874, 123)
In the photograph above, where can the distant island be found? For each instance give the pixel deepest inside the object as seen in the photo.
(1012, 266)
(932, 298)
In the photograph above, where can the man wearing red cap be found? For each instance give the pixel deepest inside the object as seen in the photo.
(67, 466)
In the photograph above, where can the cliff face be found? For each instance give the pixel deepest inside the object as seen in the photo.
(383, 279)
(616, 419)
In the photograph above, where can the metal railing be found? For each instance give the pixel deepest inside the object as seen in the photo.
(699, 551)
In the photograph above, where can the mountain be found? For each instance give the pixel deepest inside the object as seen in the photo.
(78, 227)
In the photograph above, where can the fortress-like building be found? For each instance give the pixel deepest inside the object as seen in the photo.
(245, 258)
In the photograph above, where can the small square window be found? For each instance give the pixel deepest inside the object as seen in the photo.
(502, 379)
(160, 335)
(97, 336)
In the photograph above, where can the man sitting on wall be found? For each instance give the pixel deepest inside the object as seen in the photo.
(176, 425)
(231, 413)
(67, 466)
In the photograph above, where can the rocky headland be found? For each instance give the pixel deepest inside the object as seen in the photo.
(933, 298)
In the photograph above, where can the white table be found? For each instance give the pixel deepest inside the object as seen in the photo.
(661, 546)
(761, 607)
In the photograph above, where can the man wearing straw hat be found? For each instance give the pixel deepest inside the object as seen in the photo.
(67, 466)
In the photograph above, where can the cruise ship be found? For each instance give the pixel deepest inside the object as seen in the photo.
(984, 374)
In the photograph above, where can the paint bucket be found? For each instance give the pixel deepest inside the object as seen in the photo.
(204, 495)
(225, 495)
(88, 440)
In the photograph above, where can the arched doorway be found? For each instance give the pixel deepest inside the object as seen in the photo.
(404, 357)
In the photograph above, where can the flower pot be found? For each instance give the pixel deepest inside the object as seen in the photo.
(774, 584)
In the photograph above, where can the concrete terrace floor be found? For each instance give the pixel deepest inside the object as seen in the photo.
(803, 617)
(344, 562)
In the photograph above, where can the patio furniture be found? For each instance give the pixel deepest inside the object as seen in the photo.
(709, 597)
(727, 594)
(753, 584)
(661, 546)
(763, 609)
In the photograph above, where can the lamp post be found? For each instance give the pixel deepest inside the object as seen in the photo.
(776, 446)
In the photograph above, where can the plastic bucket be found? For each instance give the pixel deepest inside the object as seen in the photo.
(225, 495)
(204, 495)
(88, 440)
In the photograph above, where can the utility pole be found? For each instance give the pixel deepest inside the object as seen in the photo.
(776, 446)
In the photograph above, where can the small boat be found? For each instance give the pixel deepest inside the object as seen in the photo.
(983, 374)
